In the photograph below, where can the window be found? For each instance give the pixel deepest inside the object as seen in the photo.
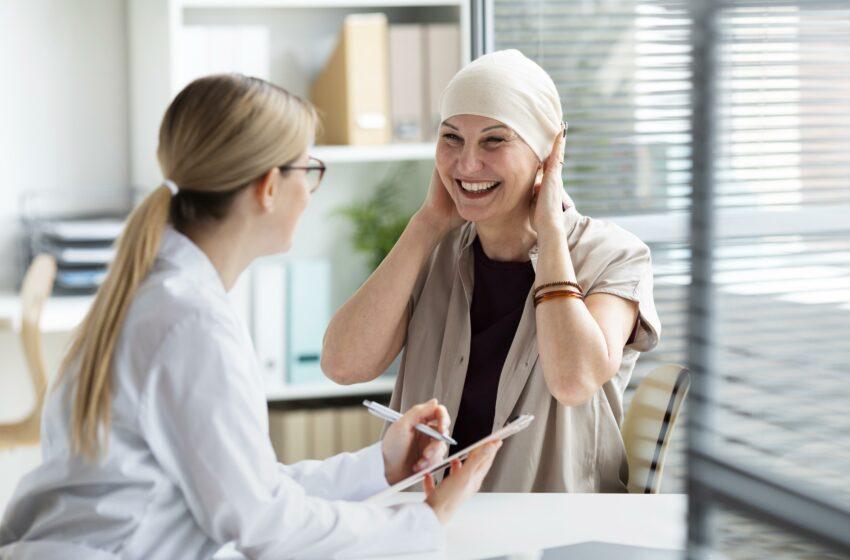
(734, 116)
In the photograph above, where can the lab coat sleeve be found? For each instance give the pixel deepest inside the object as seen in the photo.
(347, 476)
(202, 413)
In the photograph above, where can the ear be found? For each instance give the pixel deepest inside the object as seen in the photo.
(265, 189)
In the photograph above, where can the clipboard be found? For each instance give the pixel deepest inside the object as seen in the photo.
(511, 428)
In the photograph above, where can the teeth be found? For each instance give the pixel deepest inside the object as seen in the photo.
(475, 187)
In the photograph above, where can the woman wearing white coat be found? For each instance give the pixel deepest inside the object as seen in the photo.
(155, 440)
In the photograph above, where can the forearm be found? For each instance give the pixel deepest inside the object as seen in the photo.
(573, 351)
(366, 333)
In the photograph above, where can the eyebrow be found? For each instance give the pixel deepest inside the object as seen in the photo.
(453, 127)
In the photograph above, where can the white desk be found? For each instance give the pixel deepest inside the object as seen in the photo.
(496, 524)
(61, 314)
(491, 525)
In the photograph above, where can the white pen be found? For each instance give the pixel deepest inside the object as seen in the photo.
(390, 415)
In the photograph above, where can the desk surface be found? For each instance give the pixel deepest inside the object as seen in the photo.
(496, 524)
(61, 313)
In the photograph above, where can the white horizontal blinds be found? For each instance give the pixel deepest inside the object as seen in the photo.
(780, 354)
(740, 536)
(774, 437)
(783, 103)
(622, 69)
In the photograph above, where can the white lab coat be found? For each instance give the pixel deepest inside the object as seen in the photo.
(189, 465)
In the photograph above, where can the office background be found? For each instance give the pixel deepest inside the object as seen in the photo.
(717, 131)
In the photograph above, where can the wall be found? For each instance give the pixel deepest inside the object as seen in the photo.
(63, 127)
(63, 109)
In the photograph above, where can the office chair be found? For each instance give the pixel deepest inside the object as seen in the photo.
(36, 288)
(649, 423)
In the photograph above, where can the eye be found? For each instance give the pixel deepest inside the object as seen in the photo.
(451, 137)
(494, 140)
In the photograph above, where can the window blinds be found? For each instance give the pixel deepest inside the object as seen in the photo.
(774, 261)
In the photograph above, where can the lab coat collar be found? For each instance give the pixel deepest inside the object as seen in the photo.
(180, 252)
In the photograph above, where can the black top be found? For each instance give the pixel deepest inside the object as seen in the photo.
(498, 299)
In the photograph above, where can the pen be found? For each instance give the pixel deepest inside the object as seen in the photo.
(390, 415)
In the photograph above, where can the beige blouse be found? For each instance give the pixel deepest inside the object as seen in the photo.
(566, 449)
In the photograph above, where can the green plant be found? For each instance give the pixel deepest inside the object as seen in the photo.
(380, 219)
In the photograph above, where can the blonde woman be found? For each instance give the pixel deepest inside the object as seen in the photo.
(155, 440)
(504, 298)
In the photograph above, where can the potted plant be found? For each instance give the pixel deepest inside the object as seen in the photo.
(380, 219)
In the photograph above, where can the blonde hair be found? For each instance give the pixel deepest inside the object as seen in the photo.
(217, 137)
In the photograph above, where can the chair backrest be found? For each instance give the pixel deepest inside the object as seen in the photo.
(36, 288)
(649, 424)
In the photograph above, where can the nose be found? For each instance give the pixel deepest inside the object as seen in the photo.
(469, 161)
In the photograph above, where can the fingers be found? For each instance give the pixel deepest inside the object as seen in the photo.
(482, 458)
(429, 484)
(432, 454)
(455, 466)
(429, 412)
(556, 156)
(443, 419)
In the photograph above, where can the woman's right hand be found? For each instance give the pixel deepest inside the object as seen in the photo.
(439, 210)
(464, 482)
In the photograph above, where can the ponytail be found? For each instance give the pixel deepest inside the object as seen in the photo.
(217, 136)
(93, 345)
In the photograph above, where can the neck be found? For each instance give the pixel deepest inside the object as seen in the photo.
(508, 240)
(224, 244)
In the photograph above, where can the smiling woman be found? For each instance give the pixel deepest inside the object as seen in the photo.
(478, 156)
(503, 297)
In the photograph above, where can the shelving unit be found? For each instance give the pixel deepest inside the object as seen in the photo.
(318, 4)
(301, 36)
(329, 390)
(366, 154)
(303, 33)
(63, 313)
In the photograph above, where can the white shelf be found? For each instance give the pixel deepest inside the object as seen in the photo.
(61, 313)
(328, 389)
(311, 4)
(302, 36)
(384, 152)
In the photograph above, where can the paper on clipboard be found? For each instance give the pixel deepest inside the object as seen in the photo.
(508, 430)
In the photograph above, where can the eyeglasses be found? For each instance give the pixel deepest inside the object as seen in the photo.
(313, 172)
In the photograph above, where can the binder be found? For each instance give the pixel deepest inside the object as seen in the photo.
(352, 91)
(442, 53)
(268, 318)
(289, 432)
(352, 428)
(215, 49)
(407, 82)
(323, 433)
(308, 298)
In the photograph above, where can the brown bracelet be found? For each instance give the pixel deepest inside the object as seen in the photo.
(553, 284)
(557, 294)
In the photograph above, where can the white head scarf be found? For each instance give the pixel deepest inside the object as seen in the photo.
(512, 89)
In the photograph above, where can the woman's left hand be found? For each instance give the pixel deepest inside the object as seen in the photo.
(548, 198)
(406, 450)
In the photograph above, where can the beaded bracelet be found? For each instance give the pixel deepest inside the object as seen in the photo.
(557, 294)
(553, 284)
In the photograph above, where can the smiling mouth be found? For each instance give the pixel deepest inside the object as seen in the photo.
(477, 188)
